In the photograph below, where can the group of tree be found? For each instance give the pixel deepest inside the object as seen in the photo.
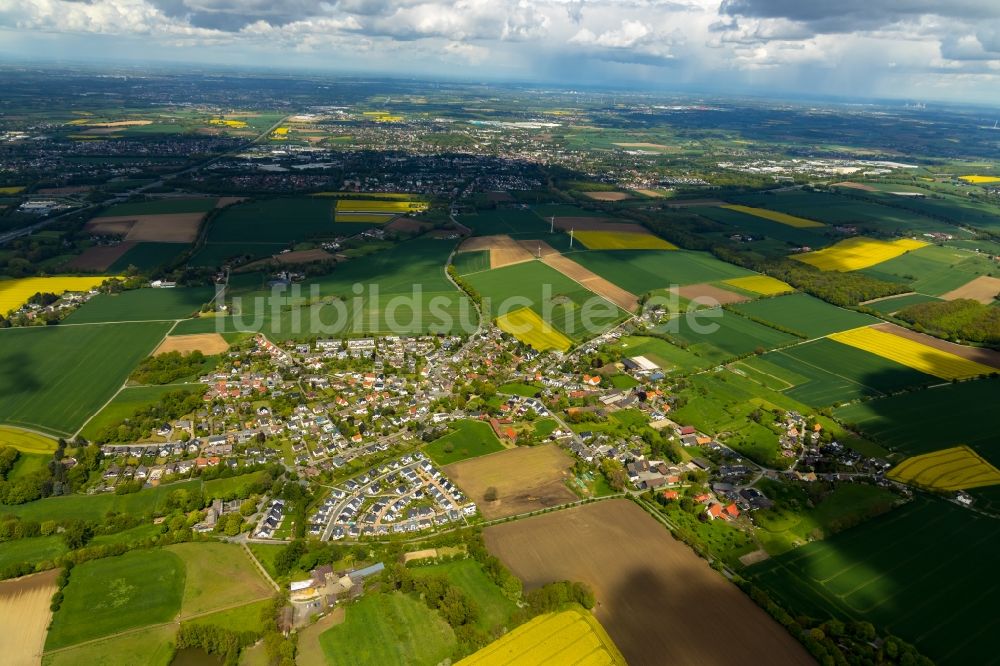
(168, 367)
(215, 640)
(961, 319)
(145, 420)
(54, 479)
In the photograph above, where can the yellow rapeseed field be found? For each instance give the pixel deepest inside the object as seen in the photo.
(371, 206)
(957, 468)
(235, 124)
(912, 354)
(856, 253)
(12, 189)
(774, 216)
(28, 442)
(525, 325)
(15, 293)
(980, 180)
(621, 240)
(569, 637)
(761, 284)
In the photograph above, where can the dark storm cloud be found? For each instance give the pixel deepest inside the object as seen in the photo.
(833, 16)
(232, 15)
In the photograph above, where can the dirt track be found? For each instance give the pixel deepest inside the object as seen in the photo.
(25, 616)
(660, 602)
(526, 479)
(983, 289)
(979, 355)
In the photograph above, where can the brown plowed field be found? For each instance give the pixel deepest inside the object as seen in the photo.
(660, 602)
(707, 291)
(527, 478)
(856, 186)
(626, 300)
(405, 225)
(607, 196)
(228, 201)
(979, 355)
(25, 617)
(983, 289)
(174, 228)
(504, 250)
(207, 343)
(99, 257)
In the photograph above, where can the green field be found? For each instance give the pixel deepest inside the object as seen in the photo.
(900, 571)
(233, 487)
(53, 378)
(95, 507)
(242, 618)
(520, 388)
(278, 221)
(841, 209)
(127, 402)
(468, 439)
(388, 629)
(142, 305)
(825, 372)
(403, 290)
(758, 226)
(495, 609)
(35, 550)
(641, 271)
(552, 295)
(217, 576)
(150, 647)
(896, 303)
(471, 262)
(111, 595)
(669, 357)
(932, 419)
(265, 554)
(216, 254)
(733, 335)
(148, 257)
(934, 270)
(504, 221)
(809, 316)
(161, 207)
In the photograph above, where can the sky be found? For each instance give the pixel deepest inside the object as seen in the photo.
(917, 50)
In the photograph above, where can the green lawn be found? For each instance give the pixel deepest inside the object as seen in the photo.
(53, 378)
(265, 554)
(95, 507)
(669, 357)
(388, 629)
(233, 487)
(545, 427)
(803, 314)
(33, 551)
(494, 608)
(142, 305)
(520, 388)
(117, 593)
(241, 618)
(468, 439)
(218, 575)
(630, 417)
(150, 647)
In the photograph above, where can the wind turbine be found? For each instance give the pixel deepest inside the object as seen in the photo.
(552, 225)
(571, 239)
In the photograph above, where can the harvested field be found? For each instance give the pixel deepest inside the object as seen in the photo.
(406, 225)
(503, 249)
(856, 186)
(646, 584)
(981, 355)
(626, 300)
(707, 293)
(207, 343)
(652, 194)
(607, 196)
(526, 479)
(597, 224)
(984, 289)
(122, 123)
(24, 604)
(99, 257)
(912, 353)
(172, 228)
